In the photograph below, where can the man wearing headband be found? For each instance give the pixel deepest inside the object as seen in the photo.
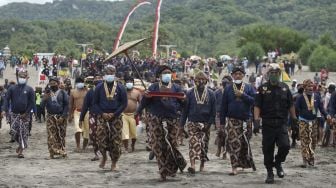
(221, 136)
(56, 102)
(307, 106)
(21, 99)
(88, 106)
(237, 102)
(76, 103)
(272, 104)
(162, 120)
(110, 100)
(200, 111)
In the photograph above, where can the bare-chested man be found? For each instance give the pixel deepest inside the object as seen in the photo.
(129, 123)
(76, 102)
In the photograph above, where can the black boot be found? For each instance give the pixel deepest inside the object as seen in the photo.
(293, 144)
(151, 155)
(270, 176)
(280, 171)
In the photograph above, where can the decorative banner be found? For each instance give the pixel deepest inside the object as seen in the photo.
(123, 26)
(156, 28)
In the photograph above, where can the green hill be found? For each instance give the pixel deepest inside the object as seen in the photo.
(205, 27)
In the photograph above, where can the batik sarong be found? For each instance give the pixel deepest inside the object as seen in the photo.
(237, 142)
(109, 136)
(198, 141)
(20, 129)
(93, 130)
(221, 136)
(145, 120)
(56, 135)
(164, 144)
(308, 138)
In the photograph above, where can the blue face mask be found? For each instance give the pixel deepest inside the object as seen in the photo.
(80, 85)
(129, 85)
(109, 78)
(166, 78)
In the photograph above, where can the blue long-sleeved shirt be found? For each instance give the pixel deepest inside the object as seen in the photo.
(219, 95)
(204, 113)
(87, 104)
(237, 108)
(21, 99)
(116, 106)
(302, 108)
(59, 106)
(332, 105)
(161, 107)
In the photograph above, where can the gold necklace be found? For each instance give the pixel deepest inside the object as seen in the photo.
(109, 95)
(203, 97)
(235, 89)
(310, 104)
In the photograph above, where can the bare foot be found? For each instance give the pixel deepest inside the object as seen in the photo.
(102, 163)
(218, 153)
(114, 167)
(202, 166)
(163, 178)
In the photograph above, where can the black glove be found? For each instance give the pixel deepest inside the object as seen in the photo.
(256, 128)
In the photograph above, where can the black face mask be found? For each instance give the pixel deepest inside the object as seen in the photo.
(54, 88)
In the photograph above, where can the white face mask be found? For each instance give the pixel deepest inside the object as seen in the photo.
(129, 85)
(80, 85)
(238, 81)
(22, 80)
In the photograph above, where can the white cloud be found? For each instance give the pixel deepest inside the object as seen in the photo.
(5, 2)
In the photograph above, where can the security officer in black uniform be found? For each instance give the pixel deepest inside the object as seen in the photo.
(272, 104)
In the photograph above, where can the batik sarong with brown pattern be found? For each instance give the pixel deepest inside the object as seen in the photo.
(198, 140)
(20, 129)
(56, 135)
(109, 136)
(237, 142)
(163, 130)
(308, 138)
(93, 130)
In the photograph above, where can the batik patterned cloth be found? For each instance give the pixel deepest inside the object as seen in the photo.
(56, 135)
(198, 140)
(164, 130)
(109, 136)
(93, 130)
(237, 142)
(308, 138)
(20, 129)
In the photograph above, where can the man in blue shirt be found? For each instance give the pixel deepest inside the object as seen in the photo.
(200, 111)
(88, 106)
(109, 101)
(56, 102)
(307, 106)
(21, 98)
(237, 103)
(162, 120)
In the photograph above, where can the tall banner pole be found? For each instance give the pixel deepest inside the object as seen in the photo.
(124, 24)
(156, 28)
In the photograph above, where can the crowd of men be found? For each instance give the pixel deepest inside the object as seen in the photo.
(105, 105)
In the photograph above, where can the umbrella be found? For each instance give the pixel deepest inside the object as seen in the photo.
(124, 48)
(225, 57)
(195, 58)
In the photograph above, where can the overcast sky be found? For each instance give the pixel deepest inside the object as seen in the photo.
(4, 2)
